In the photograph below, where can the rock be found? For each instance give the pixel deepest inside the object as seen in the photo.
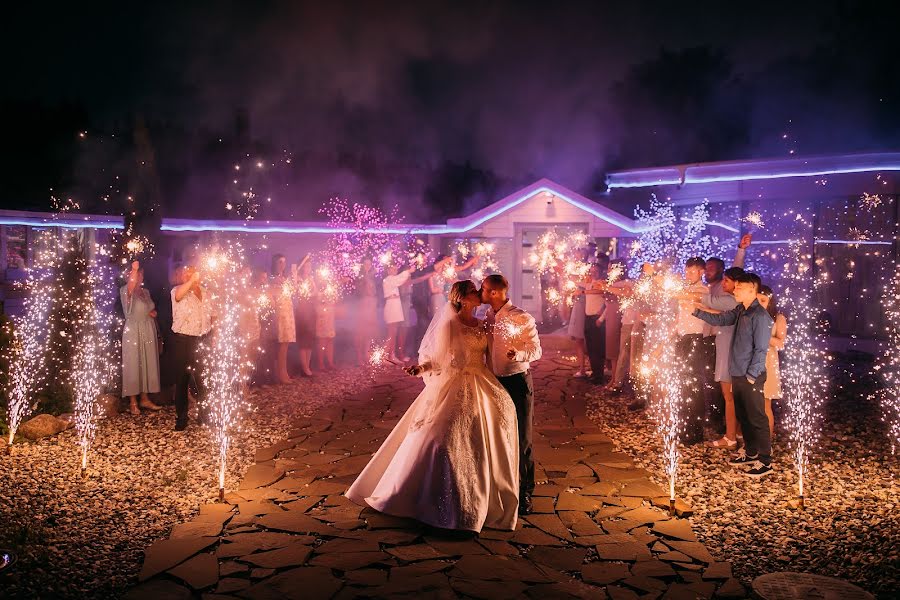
(159, 588)
(488, 590)
(260, 476)
(567, 501)
(566, 590)
(641, 489)
(682, 508)
(564, 559)
(290, 556)
(652, 568)
(550, 524)
(502, 568)
(165, 554)
(499, 547)
(107, 406)
(367, 577)
(417, 552)
(695, 550)
(675, 528)
(718, 570)
(349, 561)
(199, 572)
(626, 551)
(41, 426)
(532, 536)
(732, 588)
(643, 515)
(603, 573)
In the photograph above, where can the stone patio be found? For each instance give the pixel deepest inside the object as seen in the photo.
(600, 528)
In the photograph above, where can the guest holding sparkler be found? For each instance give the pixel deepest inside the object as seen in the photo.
(140, 345)
(690, 351)
(393, 308)
(366, 322)
(772, 387)
(614, 271)
(747, 365)
(717, 340)
(325, 329)
(575, 328)
(443, 276)
(191, 323)
(305, 312)
(595, 325)
(285, 330)
(628, 305)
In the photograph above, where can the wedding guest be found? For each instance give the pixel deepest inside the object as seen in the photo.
(249, 328)
(286, 332)
(191, 324)
(140, 342)
(393, 308)
(305, 312)
(747, 365)
(613, 323)
(772, 387)
(437, 285)
(629, 321)
(595, 325)
(689, 349)
(366, 322)
(717, 340)
(325, 329)
(575, 328)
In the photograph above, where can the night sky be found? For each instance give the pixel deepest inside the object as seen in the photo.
(437, 107)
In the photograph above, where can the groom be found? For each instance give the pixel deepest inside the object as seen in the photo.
(510, 358)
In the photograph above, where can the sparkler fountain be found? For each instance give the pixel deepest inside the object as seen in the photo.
(27, 356)
(805, 382)
(226, 351)
(888, 363)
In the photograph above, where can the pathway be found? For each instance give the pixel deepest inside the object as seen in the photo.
(597, 531)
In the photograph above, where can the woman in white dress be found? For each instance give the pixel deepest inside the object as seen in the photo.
(452, 461)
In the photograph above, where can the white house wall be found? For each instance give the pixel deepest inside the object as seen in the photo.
(537, 210)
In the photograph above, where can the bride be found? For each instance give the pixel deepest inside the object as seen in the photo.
(452, 460)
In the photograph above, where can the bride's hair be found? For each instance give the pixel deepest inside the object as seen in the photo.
(459, 291)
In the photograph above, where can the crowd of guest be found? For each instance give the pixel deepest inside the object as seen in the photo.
(727, 335)
(289, 324)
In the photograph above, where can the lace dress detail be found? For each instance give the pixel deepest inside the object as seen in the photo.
(452, 460)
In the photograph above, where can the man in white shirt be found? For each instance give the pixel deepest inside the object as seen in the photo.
(511, 356)
(690, 348)
(191, 323)
(595, 325)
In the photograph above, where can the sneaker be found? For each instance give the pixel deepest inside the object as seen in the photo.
(759, 471)
(742, 460)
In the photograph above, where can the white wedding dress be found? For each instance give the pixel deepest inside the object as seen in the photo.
(453, 459)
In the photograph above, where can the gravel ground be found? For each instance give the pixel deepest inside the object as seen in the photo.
(851, 525)
(80, 538)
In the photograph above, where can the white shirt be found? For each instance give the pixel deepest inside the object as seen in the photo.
(392, 283)
(593, 303)
(190, 316)
(527, 344)
(687, 323)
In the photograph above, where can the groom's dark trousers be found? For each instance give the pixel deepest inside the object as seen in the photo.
(521, 389)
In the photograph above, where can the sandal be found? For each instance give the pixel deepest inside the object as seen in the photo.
(723, 442)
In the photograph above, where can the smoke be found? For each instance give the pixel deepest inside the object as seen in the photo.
(375, 100)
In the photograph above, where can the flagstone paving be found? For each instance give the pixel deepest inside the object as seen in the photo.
(600, 528)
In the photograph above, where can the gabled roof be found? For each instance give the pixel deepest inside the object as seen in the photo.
(742, 170)
(499, 207)
(460, 225)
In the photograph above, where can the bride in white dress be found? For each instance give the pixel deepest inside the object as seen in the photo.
(453, 459)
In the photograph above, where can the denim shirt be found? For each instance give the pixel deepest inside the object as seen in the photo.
(751, 337)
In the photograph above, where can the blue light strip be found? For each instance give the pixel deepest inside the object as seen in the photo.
(694, 173)
(64, 223)
(835, 242)
(468, 225)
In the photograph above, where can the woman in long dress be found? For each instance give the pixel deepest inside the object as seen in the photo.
(772, 386)
(366, 321)
(393, 309)
(452, 461)
(140, 345)
(284, 315)
(305, 291)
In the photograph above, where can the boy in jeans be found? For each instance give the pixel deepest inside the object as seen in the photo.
(747, 365)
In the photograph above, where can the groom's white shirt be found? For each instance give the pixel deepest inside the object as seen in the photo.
(527, 345)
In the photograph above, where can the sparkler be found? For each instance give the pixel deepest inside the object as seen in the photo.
(887, 364)
(755, 219)
(804, 380)
(508, 330)
(26, 355)
(226, 352)
(616, 271)
(379, 356)
(662, 371)
(870, 201)
(366, 238)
